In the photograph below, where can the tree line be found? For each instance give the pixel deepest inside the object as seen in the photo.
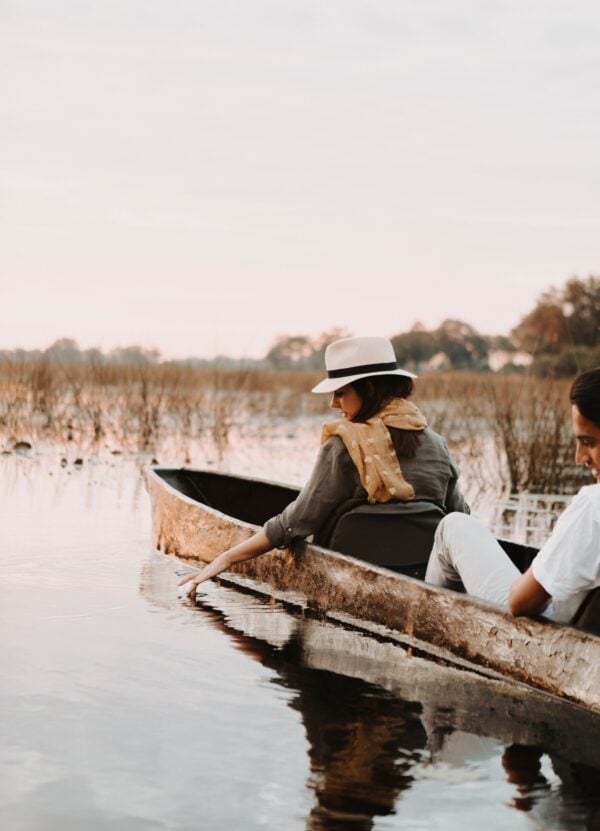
(559, 336)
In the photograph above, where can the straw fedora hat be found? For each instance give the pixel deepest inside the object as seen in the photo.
(349, 359)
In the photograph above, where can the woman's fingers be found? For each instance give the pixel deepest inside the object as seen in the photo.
(187, 578)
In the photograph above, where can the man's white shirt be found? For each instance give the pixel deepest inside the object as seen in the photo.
(568, 564)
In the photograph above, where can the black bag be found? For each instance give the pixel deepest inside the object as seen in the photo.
(397, 535)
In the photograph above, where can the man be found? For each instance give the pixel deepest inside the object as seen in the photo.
(566, 568)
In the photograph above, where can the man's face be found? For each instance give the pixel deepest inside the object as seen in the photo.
(587, 436)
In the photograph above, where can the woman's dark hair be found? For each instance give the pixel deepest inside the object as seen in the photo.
(375, 392)
(585, 394)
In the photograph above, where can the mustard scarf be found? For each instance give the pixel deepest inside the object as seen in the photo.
(372, 451)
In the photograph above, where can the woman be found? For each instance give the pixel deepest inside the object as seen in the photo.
(567, 567)
(381, 450)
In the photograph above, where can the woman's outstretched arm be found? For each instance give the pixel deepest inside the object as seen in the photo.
(258, 544)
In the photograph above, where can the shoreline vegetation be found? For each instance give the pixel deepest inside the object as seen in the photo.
(500, 401)
(511, 431)
(559, 337)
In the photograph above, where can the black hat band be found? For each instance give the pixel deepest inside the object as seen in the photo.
(360, 370)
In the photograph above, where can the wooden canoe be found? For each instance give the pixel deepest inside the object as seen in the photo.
(198, 514)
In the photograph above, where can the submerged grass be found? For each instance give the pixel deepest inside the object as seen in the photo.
(510, 431)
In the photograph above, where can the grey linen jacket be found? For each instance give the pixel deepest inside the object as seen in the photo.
(334, 488)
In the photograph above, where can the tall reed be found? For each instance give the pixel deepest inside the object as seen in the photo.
(510, 431)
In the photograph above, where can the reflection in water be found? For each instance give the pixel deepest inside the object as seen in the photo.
(123, 711)
(361, 738)
(361, 742)
(576, 805)
(523, 768)
(368, 747)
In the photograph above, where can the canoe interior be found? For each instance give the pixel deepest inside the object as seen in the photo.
(255, 501)
(250, 500)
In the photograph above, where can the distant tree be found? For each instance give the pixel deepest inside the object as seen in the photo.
(64, 350)
(454, 343)
(137, 355)
(93, 356)
(21, 355)
(414, 348)
(581, 307)
(500, 342)
(562, 318)
(289, 351)
(544, 329)
(463, 345)
(301, 351)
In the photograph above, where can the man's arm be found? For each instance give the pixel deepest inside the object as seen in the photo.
(527, 596)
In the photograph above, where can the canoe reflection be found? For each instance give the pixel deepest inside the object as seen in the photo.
(575, 804)
(362, 740)
(524, 769)
(377, 720)
(365, 744)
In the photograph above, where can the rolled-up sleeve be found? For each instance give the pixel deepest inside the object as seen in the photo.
(332, 481)
(568, 563)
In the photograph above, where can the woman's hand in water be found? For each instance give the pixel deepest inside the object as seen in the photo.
(252, 547)
(194, 582)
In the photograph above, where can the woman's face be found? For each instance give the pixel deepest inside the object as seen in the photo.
(347, 401)
(587, 436)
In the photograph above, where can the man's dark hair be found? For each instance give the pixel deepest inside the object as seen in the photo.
(375, 392)
(585, 394)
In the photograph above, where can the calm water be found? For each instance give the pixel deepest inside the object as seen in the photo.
(124, 706)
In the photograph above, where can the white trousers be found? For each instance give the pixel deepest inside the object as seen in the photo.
(466, 550)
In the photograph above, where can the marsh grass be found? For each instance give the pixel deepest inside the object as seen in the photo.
(511, 433)
(139, 407)
(514, 427)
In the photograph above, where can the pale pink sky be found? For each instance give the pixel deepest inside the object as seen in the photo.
(203, 176)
